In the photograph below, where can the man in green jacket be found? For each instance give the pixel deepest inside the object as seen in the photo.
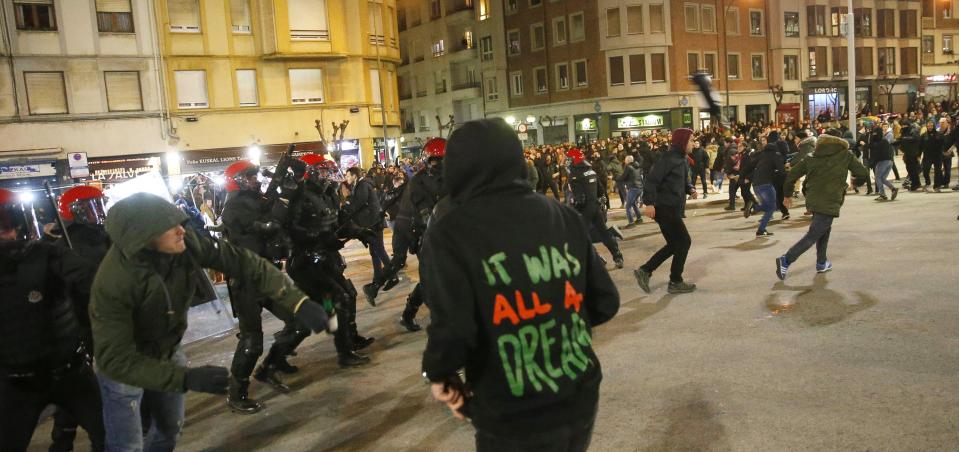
(138, 313)
(825, 170)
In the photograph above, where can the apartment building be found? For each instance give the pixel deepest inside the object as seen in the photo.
(245, 77)
(80, 80)
(940, 27)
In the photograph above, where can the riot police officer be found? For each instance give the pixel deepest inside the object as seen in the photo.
(42, 356)
(318, 231)
(83, 210)
(584, 187)
(248, 219)
(423, 191)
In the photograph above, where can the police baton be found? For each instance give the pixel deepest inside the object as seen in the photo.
(56, 211)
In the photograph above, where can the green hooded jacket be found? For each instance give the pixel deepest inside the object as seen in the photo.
(140, 297)
(825, 173)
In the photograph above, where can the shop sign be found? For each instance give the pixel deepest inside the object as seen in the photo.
(632, 122)
(825, 90)
(121, 168)
(941, 78)
(587, 124)
(45, 169)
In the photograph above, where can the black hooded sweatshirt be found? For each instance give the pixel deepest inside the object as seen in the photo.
(515, 288)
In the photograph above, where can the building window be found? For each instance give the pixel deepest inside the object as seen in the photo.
(512, 43)
(612, 22)
(692, 63)
(634, 20)
(377, 35)
(947, 44)
(657, 62)
(817, 61)
(516, 83)
(512, 6)
(732, 66)
(435, 11)
(617, 77)
(864, 61)
(123, 91)
(562, 76)
(46, 93)
(928, 44)
(863, 21)
(184, 16)
(114, 16)
(539, 78)
(656, 19)
(910, 60)
(559, 30)
(36, 16)
(308, 20)
(885, 23)
(579, 72)
(190, 89)
(492, 90)
(246, 87)
(908, 27)
(837, 21)
(439, 48)
(306, 86)
(791, 24)
(758, 66)
(790, 67)
(756, 25)
(709, 63)
(577, 27)
(816, 20)
(483, 9)
(535, 3)
(439, 82)
(377, 95)
(691, 14)
(887, 61)
(708, 18)
(537, 37)
(486, 48)
(637, 69)
(732, 21)
(840, 61)
(240, 16)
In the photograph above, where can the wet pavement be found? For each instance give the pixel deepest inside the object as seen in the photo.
(863, 358)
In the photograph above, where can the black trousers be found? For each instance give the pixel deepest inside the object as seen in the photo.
(574, 437)
(733, 188)
(938, 176)
(913, 168)
(596, 221)
(324, 277)
(677, 243)
(22, 400)
(402, 236)
(779, 183)
(701, 174)
(248, 308)
(550, 184)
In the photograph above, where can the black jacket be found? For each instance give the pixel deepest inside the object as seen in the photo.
(632, 176)
(365, 205)
(391, 201)
(909, 143)
(584, 185)
(700, 159)
(764, 167)
(668, 181)
(506, 267)
(931, 144)
(879, 150)
(244, 218)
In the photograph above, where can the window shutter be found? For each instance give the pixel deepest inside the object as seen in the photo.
(184, 15)
(375, 88)
(246, 87)
(240, 15)
(191, 89)
(308, 20)
(113, 6)
(39, 2)
(123, 91)
(306, 86)
(637, 68)
(45, 92)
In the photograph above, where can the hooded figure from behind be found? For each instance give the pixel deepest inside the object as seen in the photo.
(515, 288)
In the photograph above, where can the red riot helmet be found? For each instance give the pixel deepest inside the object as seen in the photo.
(319, 167)
(241, 176)
(83, 204)
(17, 216)
(576, 155)
(435, 148)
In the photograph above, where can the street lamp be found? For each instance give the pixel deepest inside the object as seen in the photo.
(254, 153)
(530, 119)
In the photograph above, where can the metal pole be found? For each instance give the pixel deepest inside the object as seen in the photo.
(379, 68)
(851, 39)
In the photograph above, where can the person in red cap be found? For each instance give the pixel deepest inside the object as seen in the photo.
(664, 196)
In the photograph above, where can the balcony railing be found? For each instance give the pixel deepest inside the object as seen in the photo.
(421, 93)
(465, 85)
(441, 88)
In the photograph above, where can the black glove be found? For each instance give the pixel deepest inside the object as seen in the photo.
(312, 317)
(210, 379)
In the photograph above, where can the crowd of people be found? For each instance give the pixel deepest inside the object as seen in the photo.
(116, 289)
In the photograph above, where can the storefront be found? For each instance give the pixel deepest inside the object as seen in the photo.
(938, 88)
(116, 169)
(587, 127)
(832, 100)
(640, 122)
(217, 160)
(788, 114)
(27, 176)
(757, 113)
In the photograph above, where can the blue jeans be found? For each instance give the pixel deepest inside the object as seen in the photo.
(378, 253)
(718, 178)
(767, 202)
(818, 235)
(121, 415)
(882, 175)
(632, 203)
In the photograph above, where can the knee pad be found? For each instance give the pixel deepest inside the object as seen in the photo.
(251, 344)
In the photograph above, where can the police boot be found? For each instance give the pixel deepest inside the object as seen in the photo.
(267, 373)
(371, 290)
(238, 398)
(277, 360)
(358, 342)
(352, 359)
(391, 283)
(408, 320)
(618, 260)
(615, 232)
